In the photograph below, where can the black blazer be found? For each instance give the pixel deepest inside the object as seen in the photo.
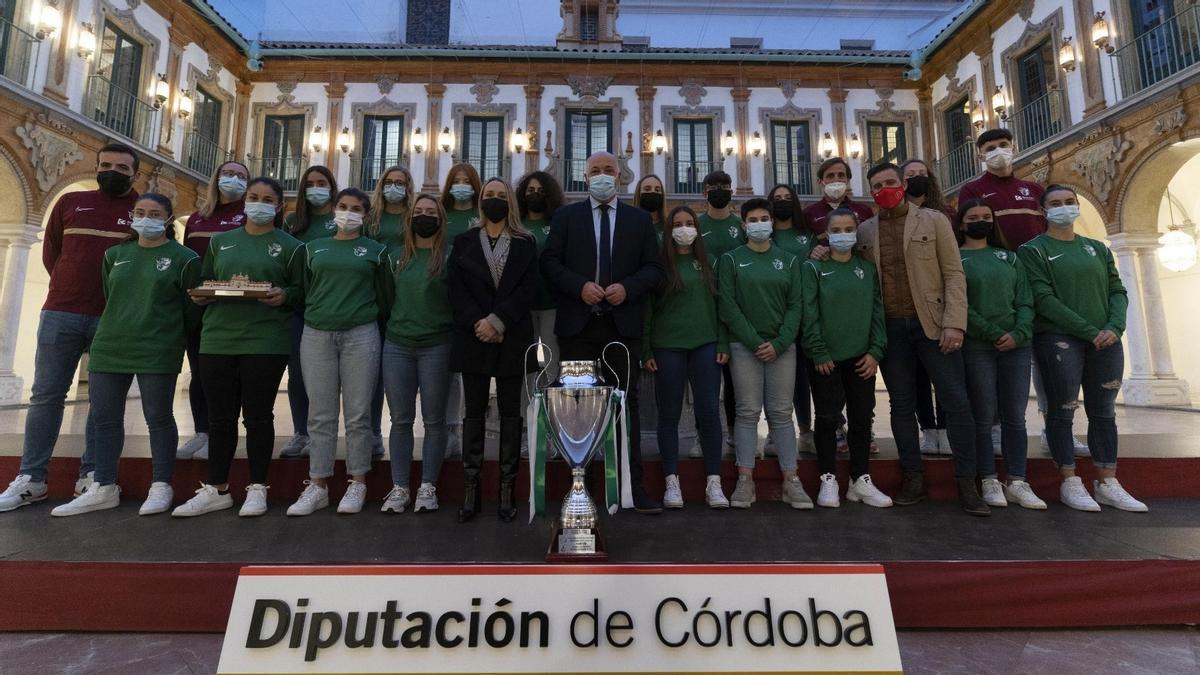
(569, 262)
(473, 296)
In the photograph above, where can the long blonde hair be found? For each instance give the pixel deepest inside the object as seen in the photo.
(212, 196)
(512, 224)
(381, 204)
(437, 258)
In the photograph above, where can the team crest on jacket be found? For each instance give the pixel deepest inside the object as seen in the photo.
(1090, 251)
(274, 250)
(360, 251)
(163, 264)
(696, 265)
(1003, 255)
(546, 230)
(858, 272)
(733, 231)
(777, 263)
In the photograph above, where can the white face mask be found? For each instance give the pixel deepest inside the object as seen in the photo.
(1062, 216)
(602, 187)
(842, 241)
(149, 228)
(259, 213)
(348, 221)
(835, 191)
(394, 194)
(999, 159)
(684, 235)
(232, 187)
(317, 196)
(760, 231)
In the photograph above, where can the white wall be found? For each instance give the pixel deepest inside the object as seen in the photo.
(1179, 288)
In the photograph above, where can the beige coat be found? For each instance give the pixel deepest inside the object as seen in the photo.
(935, 273)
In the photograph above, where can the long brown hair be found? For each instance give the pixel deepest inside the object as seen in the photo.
(212, 195)
(303, 213)
(934, 199)
(995, 237)
(472, 178)
(673, 283)
(637, 198)
(437, 257)
(799, 220)
(381, 203)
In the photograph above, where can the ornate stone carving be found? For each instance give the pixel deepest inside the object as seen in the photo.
(692, 91)
(162, 181)
(286, 87)
(214, 68)
(1173, 118)
(485, 90)
(789, 87)
(1099, 162)
(385, 83)
(885, 102)
(588, 86)
(1040, 167)
(1025, 9)
(50, 152)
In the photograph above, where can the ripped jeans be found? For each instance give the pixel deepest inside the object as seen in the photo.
(1068, 363)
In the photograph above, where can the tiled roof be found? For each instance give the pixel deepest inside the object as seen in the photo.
(599, 53)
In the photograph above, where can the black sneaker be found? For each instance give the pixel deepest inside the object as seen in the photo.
(912, 490)
(644, 503)
(969, 499)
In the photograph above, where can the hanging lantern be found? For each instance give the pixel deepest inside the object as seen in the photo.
(418, 141)
(1177, 250)
(757, 144)
(1066, 55)
(519, 140)
(1101, 36)
(660, 142)
(828, 146)
(729, 143)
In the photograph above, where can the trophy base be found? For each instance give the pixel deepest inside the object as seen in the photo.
(227, 293)
(567, 546)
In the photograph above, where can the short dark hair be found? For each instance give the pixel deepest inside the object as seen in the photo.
(357, 194)
(830, 163)
(1057, 187)
(881, 167)
(841, 211)
(993, 135)
(753, 204)
(717, 177)
(165, 202)
(123, 149)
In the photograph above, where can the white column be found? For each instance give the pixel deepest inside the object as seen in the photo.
(1171, 389)
(1136, 344)
(11, 384)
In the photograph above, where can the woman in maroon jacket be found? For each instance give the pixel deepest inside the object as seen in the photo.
(221, 212)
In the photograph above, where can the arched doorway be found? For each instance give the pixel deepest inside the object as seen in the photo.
(15, 206)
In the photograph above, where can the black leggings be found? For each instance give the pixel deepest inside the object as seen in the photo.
(196, 388)
(476, 394)
(246, 384)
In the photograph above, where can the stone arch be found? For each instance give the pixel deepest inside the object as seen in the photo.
(1085, 193)
(81, 178)
(16, 193)
(1140, 192)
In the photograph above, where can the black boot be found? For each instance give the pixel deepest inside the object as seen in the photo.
(510, 465)
(912, 490)
(969, 499)
(472, 449)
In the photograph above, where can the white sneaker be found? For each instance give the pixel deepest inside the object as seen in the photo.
(743, 493)
(805, 444)
(87, 481)
(22, 492)
(97, 498)
(296, 447)
(1110, 493)
(188, 450)
(313, 498)
(396, 501)
(352, 501)
(714, 496)
(864, 490)
(672, 497)
(158, 500)
(794, 494)
(426, 498)
(929, 441)
(993, 493)
(207, 500)
(453, 440)
(944, 443)
(828, 494)
(997, 442)
(256, 501)
(1019, 492)
(1072, 493)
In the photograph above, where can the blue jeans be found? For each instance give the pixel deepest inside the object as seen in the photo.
(764, 387)
(297, 396)
(106, 394)
(342, 367)
(62, 338)
(676, 368)
(408, 371)
(906, 344)
(998, 382)
(1067, 364)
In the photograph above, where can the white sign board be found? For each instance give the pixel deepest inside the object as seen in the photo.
(561, 619)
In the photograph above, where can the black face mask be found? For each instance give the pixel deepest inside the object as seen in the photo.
(979, 229)
(495, 209)
(719, 199)
(783, 210)
(535, 202)
(651, 201)
(918, 186)
(114, 183)
(425, 226)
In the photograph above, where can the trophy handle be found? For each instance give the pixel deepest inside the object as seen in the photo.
(628, 362)
(545, 357)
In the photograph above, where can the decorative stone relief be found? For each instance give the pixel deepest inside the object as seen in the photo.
(1173, 118)
(885, 102)
(485, 90)
(1099, 163)
(214, 68)
(692, 91)
(50, 152)
(385, 83)
(587, 86)
(1025, 9)
(1041, 169)
(789, 87)
(162, 181)
(286, 87)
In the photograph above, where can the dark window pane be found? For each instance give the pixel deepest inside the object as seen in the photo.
(587, 132)
(792, 158)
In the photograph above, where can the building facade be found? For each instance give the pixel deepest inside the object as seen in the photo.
(764, 90)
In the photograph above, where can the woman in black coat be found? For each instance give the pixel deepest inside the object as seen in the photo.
(492, 280)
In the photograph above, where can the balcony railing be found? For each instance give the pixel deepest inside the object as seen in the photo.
(16, 49)
(957, 167)
(366, 172)
(1038, 119)
(1160, 52)
(688, 177)
(286, 170)
(204, 155)
(802, 176)
(120, 110)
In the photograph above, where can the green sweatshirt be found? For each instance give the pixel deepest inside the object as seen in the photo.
(720, 236)
(458, 222)
(346, 283)
(421, 314)
(246, 326)
(319, 226)
(843, 310)
(1075, 285)
(391, 232)
(540, 229)
(797, 242)
(147, 306)
(687, 319)
(998, 298)
(760, 296)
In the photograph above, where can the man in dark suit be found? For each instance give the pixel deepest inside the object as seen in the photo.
(602, 262)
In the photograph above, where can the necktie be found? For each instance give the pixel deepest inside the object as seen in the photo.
(604, 276)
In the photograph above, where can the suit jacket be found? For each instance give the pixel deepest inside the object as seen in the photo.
(473, 296)
(569, 262)
(935, 273)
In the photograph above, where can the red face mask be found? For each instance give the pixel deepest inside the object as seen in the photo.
(889, 197)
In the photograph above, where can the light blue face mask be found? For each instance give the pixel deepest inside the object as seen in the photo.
(394, 194)
(317, 196)
(462, 192)
(1062, 216)
(602, 187)
(760, 231)
(259, 213)
(232, 187)
(842, 241)
(149, 228)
